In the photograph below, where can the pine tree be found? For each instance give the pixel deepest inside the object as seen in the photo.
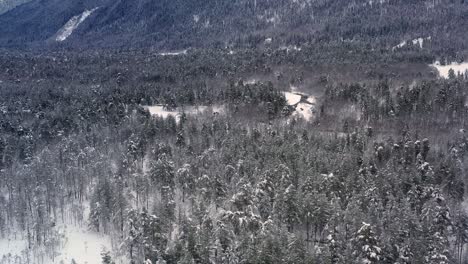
(366, 245)
(162, 172)
(153, 237)
(287, 207)
(186, 180)
(451, 74)
(105, 257)
(315, 211)
(101, 205)
(437, 221)
(132, 240)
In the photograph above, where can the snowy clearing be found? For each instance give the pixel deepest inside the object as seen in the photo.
(13, 247)
(292, 98)
(77, 244)
(304, 104)
(459, 68)
(159, 110)
(69, 240)
(72, 24)
(83, 246)
(305, 111)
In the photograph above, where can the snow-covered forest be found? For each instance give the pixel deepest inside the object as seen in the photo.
(376, 173)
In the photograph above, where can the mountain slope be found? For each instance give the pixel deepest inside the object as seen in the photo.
(37, 21)
(189, 23)
(6, 5)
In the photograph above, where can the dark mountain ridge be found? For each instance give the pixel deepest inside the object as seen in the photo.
(193, 23)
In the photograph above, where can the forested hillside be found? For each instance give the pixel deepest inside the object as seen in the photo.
(377, 176)
(6, 5)
(240, 23)
(237, 132)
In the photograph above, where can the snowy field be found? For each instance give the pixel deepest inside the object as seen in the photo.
(11, 249)
(77, 243)
(305, 104)
(444, 69)
(73, 242)
(82, 246)
(159, 110)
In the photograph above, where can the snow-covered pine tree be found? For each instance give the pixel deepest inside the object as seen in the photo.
(366, 246)
(105, 257)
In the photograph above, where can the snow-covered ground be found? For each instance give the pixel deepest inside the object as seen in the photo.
(251, 81)
(72, 24)
(444, 69)
(305, 111)
(158, 110)
(76, 243)
(12, 248)
(83, 246)
(290, 48)
(305, 104)
(416, 42)
(174, 53)
(292, 98)
(73, 241)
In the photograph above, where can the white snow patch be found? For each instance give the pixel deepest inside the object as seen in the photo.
(77, 243)
(72, 241)
(401, 45)
(12, 248)
(159, 110)
(174, 53)
(273, 20)
(305, 111)
(83, 246)
(371, 2)
(416, 42)
(73, 24)
(252, 81)
(419, 42)
(458, 68)
(292, 98)
(304, 104)
(290, 48)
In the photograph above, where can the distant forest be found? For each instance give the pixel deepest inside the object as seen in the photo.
(371, 24)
